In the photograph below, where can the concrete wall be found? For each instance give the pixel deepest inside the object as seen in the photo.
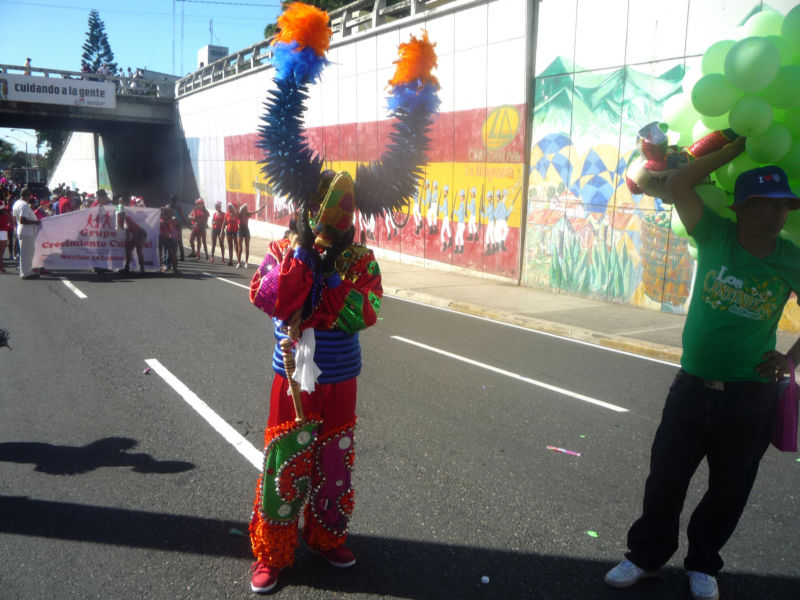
(477, 138)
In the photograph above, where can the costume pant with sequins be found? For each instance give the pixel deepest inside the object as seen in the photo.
(326, 468)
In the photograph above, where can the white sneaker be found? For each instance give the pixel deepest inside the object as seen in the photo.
(625, 574)
(237, 265)
(703, 586)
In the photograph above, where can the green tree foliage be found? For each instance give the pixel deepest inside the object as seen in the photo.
(55, 139)
(96, 49)
(327, 5)
(10, 157)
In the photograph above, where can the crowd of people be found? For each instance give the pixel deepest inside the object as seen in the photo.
(18, 225)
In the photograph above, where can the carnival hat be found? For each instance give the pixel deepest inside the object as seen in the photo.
(764, 182)
(335, 215)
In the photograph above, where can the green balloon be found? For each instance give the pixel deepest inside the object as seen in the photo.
(714, 123)
(770, 146)
(737, 166)
(677, 225)
(699, 130)
(785, 48)
(751, 115)
(679, 114)
(790, 163)
(784, 91)
(791, 27)
(713, 197)
(791, 229)
(713, 95)
(766, 22)
(752, 64)
(791, 118)
(714, 57)
(724, 179)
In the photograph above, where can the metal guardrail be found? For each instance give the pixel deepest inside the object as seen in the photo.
(356, 17)
(125, 86)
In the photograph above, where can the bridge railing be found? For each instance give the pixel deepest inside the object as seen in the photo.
(355, 17)
(125, 86)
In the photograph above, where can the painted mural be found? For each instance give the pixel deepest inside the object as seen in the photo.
(585, 233)
(467, 208)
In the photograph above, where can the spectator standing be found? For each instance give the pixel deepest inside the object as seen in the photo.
(6, 228)
(181, 220)
(218, 230)
(232, 231)
(199, 218)
(721, 405)
(27, 226)
(27, 65)
(65, 203)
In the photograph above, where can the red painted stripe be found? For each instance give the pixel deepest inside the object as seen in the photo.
(455, 137)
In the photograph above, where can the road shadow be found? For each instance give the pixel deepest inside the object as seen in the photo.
(73, 460)
(387, 567)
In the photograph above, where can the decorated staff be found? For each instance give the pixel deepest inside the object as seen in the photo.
(321, 289)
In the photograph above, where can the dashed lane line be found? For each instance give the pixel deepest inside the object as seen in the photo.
(73, 288)
(247, 287)
(540, 384)
(233, 437)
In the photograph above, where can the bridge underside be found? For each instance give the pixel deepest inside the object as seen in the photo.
(143, 145)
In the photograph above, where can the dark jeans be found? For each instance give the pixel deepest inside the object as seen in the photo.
(731, 428)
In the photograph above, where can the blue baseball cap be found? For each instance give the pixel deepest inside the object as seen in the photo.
(763, 182)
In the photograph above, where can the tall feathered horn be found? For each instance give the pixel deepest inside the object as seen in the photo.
(292, 168)
(389, 183)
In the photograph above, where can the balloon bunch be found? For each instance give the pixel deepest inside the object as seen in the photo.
(751, 86)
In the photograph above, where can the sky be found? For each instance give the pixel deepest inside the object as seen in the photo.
(160, 35)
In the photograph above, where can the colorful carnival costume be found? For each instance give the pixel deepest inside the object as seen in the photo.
(321, 289)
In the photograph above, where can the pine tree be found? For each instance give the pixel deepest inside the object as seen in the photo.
(97, 50)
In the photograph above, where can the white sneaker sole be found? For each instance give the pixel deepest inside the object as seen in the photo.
(626, 584)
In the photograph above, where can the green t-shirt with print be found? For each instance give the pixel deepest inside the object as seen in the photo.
(736, 303)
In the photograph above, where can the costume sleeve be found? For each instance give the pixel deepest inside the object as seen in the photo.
(280, 285)
(351, 300)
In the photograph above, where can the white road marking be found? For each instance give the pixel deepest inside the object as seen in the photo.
(540, 384)
(245, 448)
(72, 287)
(247, 287)
(529, 330)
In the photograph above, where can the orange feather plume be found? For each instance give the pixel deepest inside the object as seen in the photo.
(417, 60)
(305, 24)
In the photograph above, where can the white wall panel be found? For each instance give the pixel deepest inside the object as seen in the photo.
(600, 34)
(506, 73)
(366, 52)
(441, 30)
(556, 32)
(471, 27)
(507, 19)
(469, 81)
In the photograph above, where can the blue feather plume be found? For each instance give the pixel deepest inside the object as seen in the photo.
(304, 66)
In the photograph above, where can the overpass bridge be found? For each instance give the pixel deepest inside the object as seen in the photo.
(139, 130)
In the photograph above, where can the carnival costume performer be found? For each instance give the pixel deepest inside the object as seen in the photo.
(321, 289)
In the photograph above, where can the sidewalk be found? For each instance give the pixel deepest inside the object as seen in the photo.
(619, 326)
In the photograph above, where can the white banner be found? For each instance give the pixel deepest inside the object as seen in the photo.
(53, 90)
(90, 238)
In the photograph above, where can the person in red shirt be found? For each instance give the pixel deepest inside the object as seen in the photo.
(217, 231)
(232, 230)
(6, 227)
(199, 217)
(65, 203)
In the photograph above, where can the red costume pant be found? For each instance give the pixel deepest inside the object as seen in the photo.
(330, 497)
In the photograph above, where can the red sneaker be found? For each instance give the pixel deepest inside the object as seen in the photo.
(264, 578)
(339, 557)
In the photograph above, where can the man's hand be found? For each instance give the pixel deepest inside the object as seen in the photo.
(774, 367)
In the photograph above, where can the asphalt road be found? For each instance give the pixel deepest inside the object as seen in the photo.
(113, 486)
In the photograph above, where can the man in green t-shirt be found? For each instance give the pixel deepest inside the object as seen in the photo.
(721, 405)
